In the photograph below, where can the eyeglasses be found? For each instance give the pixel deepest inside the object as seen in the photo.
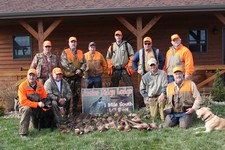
(147, 43)
(47, 46)
(118, 35)
(152, 65)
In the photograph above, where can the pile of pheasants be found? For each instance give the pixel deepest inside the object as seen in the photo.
(122, 121)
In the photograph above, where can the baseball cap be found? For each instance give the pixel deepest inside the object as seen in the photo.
(32, 70)
(118, 32)
(91, 44)
(175, 36)
(147, 39)
(72, 38)
(176, 69)
(152, 61)
(57, 70)
(47, 43)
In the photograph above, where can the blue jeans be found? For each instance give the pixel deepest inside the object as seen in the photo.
(93, 82)
(170, 78)
(184, 120)
(176, 118)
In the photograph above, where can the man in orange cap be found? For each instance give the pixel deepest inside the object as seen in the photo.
(141, 57)
(30, 93)
(183, 100)
(178, 55)
(96, 67)
(58, 89)
(119, 58)
(73, 65)
(44, 62)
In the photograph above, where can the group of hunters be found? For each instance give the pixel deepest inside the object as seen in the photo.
(165, 84)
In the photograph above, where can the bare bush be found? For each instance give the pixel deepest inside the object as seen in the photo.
(7, 94)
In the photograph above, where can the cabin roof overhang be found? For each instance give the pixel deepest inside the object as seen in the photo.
(112, 11)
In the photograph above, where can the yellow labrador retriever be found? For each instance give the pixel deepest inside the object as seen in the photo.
(212, 122)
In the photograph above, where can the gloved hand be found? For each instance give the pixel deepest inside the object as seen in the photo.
(79, 72)
(110, 71)
(130, 70)
(41, 104)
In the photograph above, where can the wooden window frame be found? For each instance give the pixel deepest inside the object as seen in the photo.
(22, 49)
(199, 44)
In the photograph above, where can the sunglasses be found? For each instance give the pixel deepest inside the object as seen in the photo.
(147, 43)
(47, 46)
(152, 65)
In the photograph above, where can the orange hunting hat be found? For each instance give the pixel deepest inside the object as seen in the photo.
(57, 70)
(176, 69)
(32, 70)
(118, 32)
(47, 43)
(175, 36)
(147, 39)
(72, 38)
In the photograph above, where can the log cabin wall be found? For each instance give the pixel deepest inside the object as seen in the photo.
(101, 30)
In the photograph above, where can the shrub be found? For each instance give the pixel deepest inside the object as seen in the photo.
(2, 110)
(8, 92)
(218, 91)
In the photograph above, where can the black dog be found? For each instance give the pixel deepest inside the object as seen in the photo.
(44, 118)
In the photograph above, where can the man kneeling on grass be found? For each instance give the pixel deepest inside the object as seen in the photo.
(58, 89)
(183, 100)
(31, 93)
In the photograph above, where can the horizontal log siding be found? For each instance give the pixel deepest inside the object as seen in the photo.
(101, 30)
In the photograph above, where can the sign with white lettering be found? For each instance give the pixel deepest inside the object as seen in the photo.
(112, 99)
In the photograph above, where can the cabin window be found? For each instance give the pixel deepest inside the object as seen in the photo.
(22, 47)
(198, 41)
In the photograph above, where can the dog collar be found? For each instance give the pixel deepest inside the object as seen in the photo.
(209, 118)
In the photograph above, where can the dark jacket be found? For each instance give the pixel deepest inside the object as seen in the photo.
(158, 56)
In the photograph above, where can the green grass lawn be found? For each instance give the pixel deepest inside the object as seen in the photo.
(163, 139)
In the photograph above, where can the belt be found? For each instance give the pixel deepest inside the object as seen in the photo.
(119, 68)
(153, 96)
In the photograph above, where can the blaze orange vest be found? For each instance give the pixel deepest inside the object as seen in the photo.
(75, 61)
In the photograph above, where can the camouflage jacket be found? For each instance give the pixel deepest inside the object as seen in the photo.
(53, 92)
(44, 65)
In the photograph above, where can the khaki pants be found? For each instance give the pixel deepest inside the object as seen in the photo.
(25, 119)
(155, 105)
